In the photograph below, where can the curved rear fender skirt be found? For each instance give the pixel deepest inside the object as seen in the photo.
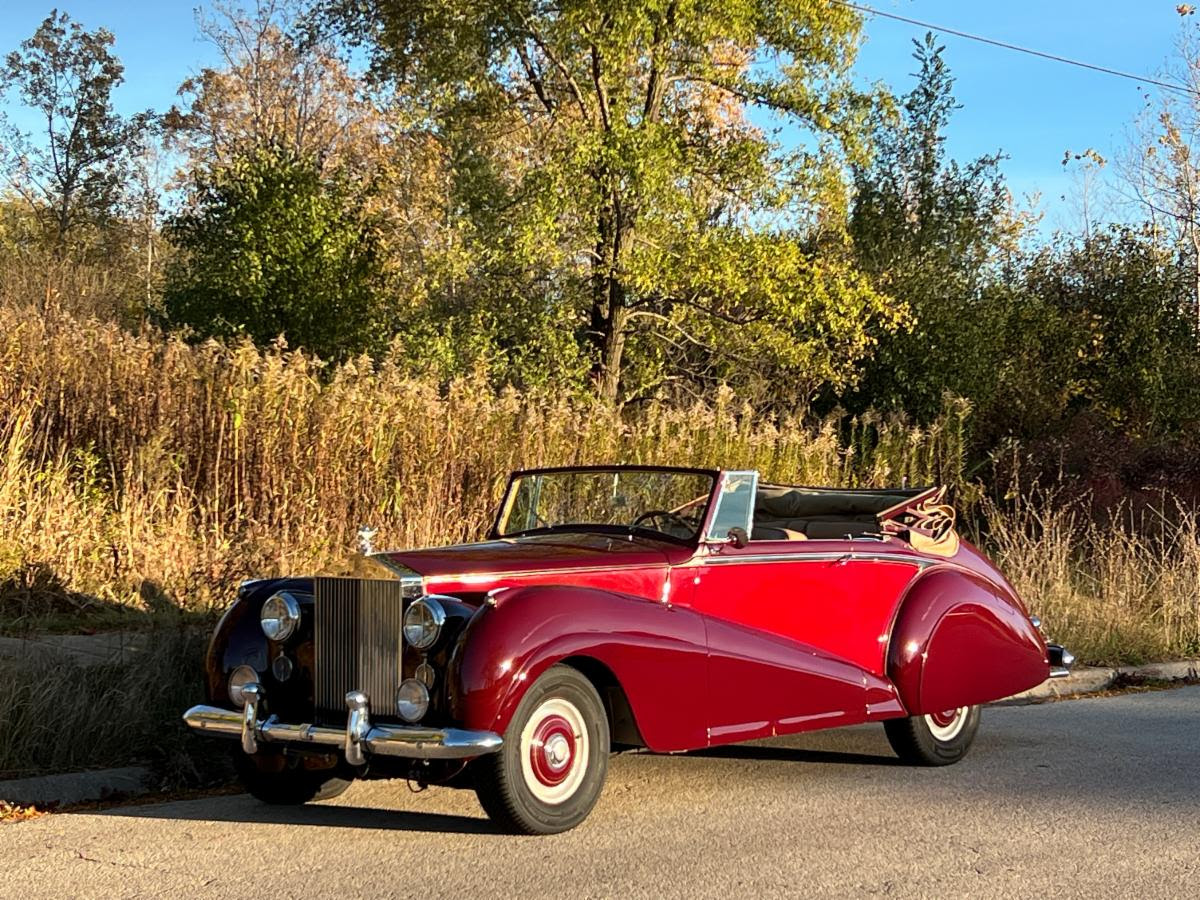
(656, 652)
(960, 640)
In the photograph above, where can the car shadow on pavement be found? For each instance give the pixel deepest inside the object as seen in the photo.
(765, 753)
(245, 809)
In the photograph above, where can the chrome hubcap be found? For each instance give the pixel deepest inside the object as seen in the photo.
(557, 751)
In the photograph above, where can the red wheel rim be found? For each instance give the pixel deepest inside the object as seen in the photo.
(943, 719)
(552, 750)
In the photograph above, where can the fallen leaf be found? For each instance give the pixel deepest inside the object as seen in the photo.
(11, 813)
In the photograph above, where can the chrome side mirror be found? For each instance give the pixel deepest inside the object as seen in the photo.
(738, 537)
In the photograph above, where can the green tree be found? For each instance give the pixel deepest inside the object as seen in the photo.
(270, 247)
(1123, 344)
(933, 233)
(610, 173)
(77, 168)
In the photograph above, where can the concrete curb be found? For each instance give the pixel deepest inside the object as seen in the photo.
(1090, 680)
(77, 787)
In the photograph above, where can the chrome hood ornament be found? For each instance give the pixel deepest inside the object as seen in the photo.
(366, 539)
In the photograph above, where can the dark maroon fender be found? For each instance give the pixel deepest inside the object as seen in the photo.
(656, 652)
(960, 639)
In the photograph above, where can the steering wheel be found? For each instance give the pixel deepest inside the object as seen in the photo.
(666, 516)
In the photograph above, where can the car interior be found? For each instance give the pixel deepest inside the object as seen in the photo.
(790, 513)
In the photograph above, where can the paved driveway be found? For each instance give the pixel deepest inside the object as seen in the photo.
(1088, 798)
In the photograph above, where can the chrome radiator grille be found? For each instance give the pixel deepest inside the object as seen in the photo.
(357, 641)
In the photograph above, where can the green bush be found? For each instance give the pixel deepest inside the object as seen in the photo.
(270, 247)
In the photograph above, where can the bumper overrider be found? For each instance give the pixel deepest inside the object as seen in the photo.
(357, 740)
(1061, 660)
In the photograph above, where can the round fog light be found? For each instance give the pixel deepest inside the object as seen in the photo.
(412, 700)
(238, 679)
(282, 668)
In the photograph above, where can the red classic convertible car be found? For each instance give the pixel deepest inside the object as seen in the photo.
(621, 607)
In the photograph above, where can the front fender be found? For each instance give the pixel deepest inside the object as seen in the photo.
(655, 651)
(238, 639)
(960, 640)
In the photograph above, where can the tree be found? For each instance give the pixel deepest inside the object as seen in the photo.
(78, 171)
(280, 88)
(1124, 344)
(607, 161)
(275, 88)
(932, 232)
(272, 247)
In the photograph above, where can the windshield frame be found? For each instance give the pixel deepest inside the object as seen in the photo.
(597, 528)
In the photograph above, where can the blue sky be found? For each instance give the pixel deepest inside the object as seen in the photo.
(1031, 109)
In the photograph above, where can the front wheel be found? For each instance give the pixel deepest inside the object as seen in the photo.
(548, 773)
(938, 739)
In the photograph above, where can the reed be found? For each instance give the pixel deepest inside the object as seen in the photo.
(141, 473)
(1121, 588)
(138, 465)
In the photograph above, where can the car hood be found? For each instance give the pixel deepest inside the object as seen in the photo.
(536, 553)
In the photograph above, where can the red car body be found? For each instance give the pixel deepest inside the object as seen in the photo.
(740, 612)
(715, 643)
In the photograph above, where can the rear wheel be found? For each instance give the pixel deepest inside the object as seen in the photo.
(548, 773)
(284, 781)
(937, 739)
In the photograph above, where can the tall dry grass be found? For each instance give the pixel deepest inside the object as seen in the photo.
(138, 469)
(139, 472)
(1120, 589)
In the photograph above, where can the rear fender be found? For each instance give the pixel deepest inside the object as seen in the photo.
(656, 652)
(959, 640)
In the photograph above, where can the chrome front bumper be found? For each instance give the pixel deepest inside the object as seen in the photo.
(356, 740)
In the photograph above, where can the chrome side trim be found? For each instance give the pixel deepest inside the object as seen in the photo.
(818, 556)
(412, 742)
(481, 577)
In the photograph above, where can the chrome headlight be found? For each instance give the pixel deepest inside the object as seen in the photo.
(423, 622)
(412, 700)
(238, 679)
(280, 616)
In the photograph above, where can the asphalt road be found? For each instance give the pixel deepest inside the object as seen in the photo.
(1087, 798)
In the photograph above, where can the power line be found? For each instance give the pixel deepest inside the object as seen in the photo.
(1019, 49)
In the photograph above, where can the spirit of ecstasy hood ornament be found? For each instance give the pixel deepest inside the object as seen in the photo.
(366, 539)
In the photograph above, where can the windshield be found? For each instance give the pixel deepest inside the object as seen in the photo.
(666, 502)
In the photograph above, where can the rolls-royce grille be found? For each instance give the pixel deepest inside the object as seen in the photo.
(358, 640)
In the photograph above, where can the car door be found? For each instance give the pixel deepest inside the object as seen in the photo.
(796, 631)
(763, 679)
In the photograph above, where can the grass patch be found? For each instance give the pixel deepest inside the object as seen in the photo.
(1114, 591)
(12, 813)
(59, 716)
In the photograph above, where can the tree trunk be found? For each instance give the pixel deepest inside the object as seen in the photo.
(610, 315)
